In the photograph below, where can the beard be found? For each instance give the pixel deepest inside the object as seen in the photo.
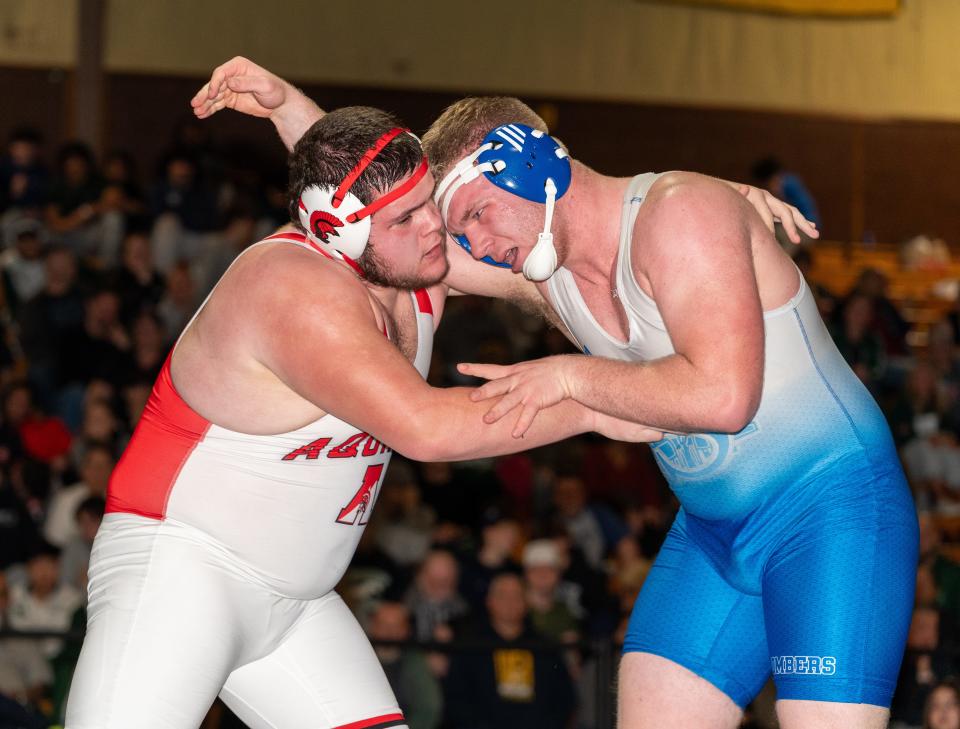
(378, 272)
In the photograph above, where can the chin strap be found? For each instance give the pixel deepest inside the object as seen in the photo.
(542, 261)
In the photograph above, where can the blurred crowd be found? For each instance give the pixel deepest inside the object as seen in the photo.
(537, 556)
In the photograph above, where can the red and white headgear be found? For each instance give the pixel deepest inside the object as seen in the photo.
(334, 218)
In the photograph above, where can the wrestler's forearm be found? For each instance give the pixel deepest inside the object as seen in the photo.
(451, 428)
(670, 393)
(295, 116)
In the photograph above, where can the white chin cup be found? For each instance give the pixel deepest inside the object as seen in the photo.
(542, 261)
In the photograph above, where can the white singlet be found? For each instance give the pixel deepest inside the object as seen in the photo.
(214, 569)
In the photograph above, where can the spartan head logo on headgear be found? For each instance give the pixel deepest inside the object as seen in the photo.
(324, 224)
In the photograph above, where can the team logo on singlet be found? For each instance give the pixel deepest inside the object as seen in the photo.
(803, 665)
(324, 224)
(697, 455)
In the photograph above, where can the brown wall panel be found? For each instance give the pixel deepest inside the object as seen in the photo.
(34, 98)
(890, 179)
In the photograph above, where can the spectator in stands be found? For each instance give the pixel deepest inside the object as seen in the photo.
(542, 569)
(139, 283)
(120, 179)
(78, 212)
(618, 474)
(405, 524)
(648, 525)
(180, 300)
(455, 498)
(100, 349)
(826, 300)
(942, 710)
(148, 348)
(50, 318)
(30, 484)
(888, 322)
(17, 528)
(25, 675)
(769, 173)
(38, 435)
(593, 528)
(185, 211)
(44, 603)
(61, 525)
(22, 263)
(628, 569)
(515, 686)
(17, 407)
(941, 573)
(499, 539)
(23, 176)
(75, 557)
(433, 599)
(408, 672)
(924, 665)
(942, 355)
(236, 235)
(99, 425)
(134, 397)
(858, 342)
(924, 428)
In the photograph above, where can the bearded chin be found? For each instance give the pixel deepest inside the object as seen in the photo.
(378, 272)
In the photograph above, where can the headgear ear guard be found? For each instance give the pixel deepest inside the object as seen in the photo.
(336, 220)
(526, 162)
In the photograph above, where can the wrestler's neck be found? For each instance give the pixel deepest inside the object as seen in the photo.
(587, 223)
(386, 295)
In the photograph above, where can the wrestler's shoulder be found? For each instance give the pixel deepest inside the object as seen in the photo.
(278, 270)
(679, 187)
(689, 204)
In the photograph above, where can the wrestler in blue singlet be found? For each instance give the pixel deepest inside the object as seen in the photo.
(795, 548)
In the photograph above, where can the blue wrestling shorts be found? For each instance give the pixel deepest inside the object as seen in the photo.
(815, 587)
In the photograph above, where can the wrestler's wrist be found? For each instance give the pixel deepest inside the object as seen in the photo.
(568, 370)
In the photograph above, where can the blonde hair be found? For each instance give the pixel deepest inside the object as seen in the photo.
(462, 126)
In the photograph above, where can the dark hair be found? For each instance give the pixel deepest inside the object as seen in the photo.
(42, 548)
(92, 446)
(332, 147)
(763, 169)
(95, 506)
(75, 149)
(26, 134)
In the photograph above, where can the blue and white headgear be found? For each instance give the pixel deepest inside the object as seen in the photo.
(522, 160)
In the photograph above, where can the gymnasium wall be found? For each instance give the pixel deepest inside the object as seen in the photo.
(867, 110)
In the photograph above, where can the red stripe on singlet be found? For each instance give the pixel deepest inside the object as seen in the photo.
(165, 437)
(423, 301)
(377, 721)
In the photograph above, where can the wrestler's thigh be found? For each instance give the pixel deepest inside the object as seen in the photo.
(793, 714)
(656, 693)
(695, 649)
(837, 602)
(159, 641)
(324, 674)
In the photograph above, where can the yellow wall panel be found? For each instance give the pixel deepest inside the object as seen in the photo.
(905, 65)
(803, 7)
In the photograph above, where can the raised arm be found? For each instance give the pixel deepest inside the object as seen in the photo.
(329, 349)
(242, 85)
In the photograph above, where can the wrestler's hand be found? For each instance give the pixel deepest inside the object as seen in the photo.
(532, 386)
(244, 86)
(774, 210)
(241, 85)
